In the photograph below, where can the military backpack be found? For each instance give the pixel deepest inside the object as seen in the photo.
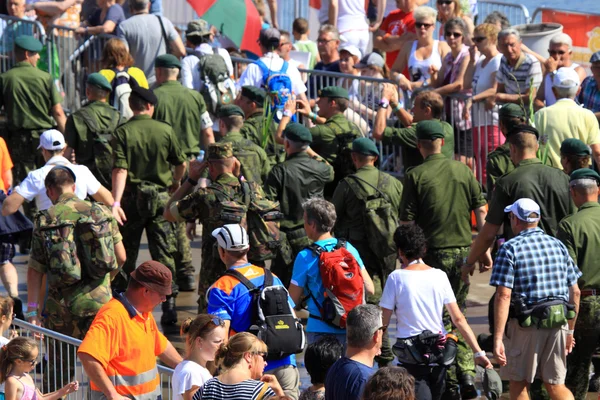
(343, 164)
(249, 160)
(379, 221)
(218, 88)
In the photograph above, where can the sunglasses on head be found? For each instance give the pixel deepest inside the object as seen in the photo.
(557, 52)
(446, 2)
(420, 25)
(453, 34)
(263, 354)
(479, 39)
(215, 320)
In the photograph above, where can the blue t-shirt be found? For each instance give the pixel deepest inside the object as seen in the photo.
(346, 379)
(229, 299)
(306, 275)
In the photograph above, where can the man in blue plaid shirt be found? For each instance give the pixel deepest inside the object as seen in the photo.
(533, 267)
(589, 95)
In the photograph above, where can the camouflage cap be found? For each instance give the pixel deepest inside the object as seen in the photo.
(98, 80)
(365, 146)
(220, 151)
(430, 130)
(28, 43)
(297, 133)
(575, 147)
(584, 173)
(167, 61)
(230, 110)
(254, 94)
(334, 92)
(511, 110)
(198, 27)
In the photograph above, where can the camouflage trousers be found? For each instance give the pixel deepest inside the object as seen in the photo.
(211, 269)
(160, 233)
(450, 261)
(183, 254)
(587, 333)
(61, 356)
(295, 242)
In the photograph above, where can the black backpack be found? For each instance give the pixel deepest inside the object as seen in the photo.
(273, 320)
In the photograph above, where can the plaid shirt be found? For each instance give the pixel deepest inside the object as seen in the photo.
(535, 266)
(589, 96)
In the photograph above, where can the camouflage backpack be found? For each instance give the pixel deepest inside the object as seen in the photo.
(77, 250)
(343, 164)
(249, 160)
(259, 216)
(102, 163)
(379, 221)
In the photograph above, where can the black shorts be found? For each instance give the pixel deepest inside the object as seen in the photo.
(7, 252)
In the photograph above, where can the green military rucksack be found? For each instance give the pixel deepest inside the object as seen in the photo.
(77, 250)
(378, 219)
(218, 88)
(259, 216)
(249, 160)
(343, 165)
(102, 164)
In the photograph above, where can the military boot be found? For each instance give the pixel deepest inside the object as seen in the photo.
(169, 313)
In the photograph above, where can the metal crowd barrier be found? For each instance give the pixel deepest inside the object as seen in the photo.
(58, 358)
(517, 14)
(10, 28)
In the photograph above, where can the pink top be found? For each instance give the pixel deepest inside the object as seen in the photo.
(29, 392)
(450, 74)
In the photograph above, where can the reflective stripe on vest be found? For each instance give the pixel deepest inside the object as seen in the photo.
(135, 387)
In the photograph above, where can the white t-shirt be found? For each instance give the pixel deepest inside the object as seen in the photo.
(33, 186)
(3, 341)
(253, 75)
(482, 81)
(188, 374)
(418, 298)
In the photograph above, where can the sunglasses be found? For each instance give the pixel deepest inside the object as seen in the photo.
(32, 362)
(263, 354)
(420, 25)
(557, 52)
(479, 39)
(453, 34)
(446, 2)
(215, 320)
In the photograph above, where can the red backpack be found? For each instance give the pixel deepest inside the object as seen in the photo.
(343, 282)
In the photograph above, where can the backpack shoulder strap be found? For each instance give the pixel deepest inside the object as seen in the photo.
(240, 277)
(341, 243)
(247, 192)
(268, 278)
(264, 70)
(284, 67)
(316, 249)
(367, 183)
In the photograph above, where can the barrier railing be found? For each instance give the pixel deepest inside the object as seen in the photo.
(10, 29)
(58, 363)
(517, 14)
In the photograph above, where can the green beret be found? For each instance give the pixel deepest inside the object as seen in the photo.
(297, 133)
(365, 146)
(333, 92)
(523, 128)
(98, 80)
(167, 61)
(430, 130)
(230, 110)
(220, 151)
(575, 147)
(254, 94)
(512, 110)
(28, 43)
(585, 173)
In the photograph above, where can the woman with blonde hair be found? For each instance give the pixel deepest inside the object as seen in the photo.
(242, 362)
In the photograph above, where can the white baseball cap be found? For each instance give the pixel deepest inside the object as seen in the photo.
(232, 237)
(565, 78)
(350, 48)
(523, 208)
(52, 140)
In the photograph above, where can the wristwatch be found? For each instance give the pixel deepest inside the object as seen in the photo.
(384, 103)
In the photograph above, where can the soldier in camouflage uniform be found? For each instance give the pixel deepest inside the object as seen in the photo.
(302, 176)
(204, 204)
(447, 227)
(579, 233)
(185, 110)
(70, 308)
(144, 151)
(251, 100)
(30, 100)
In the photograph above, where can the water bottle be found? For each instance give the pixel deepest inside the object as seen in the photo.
(200, 156)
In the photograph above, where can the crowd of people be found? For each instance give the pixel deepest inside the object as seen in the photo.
(282, 171)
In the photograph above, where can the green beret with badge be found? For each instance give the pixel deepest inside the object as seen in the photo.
(99, 80)
(220, 151)
(254, 94)
(512, 110)
(167, 61)
(575, 147)
(28, 43)
(365, 146)
(430, 130)
(230, 110)
(584, 173)
(297, 133)
(334, 92)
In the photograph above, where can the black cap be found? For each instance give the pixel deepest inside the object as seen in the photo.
(146, 95)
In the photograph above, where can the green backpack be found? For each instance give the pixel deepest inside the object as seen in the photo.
(102, 164)
(343, 164)
(249, 160)
(378, 219)
(218, 88)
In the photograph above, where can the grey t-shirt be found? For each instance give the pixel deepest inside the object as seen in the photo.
(143, 35)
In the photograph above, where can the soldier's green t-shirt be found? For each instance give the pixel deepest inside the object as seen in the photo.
(547, 186)
(87, 296)
(498, 164)
(324, 136)
(407, 138)
(439, 196)
(146, 149)
(349, 208)
(181, 108)
(580, 233)
(28, 95)
(293, 182)
(78, 135)
(253, 130)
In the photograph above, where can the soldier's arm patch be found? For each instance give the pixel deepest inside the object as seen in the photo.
(205, 120)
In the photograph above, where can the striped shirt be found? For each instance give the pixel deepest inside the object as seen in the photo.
(250, 389)
(518, 79)
(589, 95)
(535, 266)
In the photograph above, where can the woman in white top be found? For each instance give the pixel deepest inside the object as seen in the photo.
(418, 294)
(203, 337)
(481, 77)
(448, 9)
(423, 57)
